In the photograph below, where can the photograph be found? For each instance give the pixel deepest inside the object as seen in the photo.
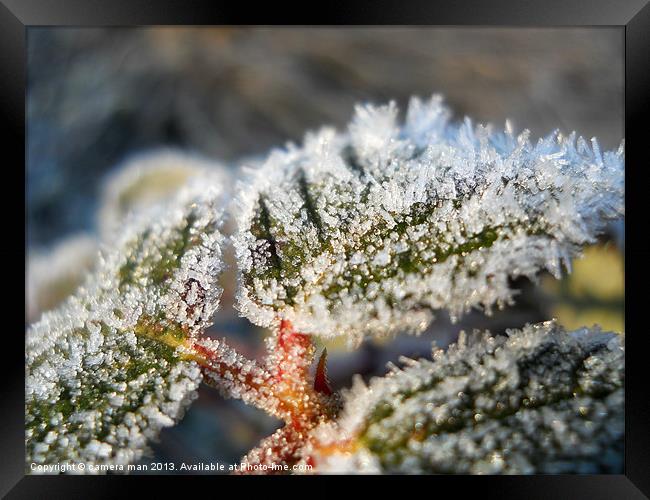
(325, 250)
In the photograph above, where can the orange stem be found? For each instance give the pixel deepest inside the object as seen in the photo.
(282, 386)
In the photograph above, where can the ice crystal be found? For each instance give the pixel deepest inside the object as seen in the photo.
(369, 231)
(539, 400)
(108, 370)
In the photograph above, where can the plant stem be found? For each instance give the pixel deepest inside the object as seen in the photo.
(282, 385)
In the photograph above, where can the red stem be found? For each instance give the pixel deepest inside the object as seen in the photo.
(282, 386)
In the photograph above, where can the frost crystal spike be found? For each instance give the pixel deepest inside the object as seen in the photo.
(108, 369)
(369, 231)
(539, 400)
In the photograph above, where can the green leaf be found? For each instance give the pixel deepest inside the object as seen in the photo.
(539, 400)
(108, 370)
(370, 231)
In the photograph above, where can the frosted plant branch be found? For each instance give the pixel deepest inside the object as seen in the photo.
(366, 232)
(369, 231)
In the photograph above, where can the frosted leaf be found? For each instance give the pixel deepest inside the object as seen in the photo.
(108, 370)
(149, 178)
(369, 231)
(55, 273)
(539, 400)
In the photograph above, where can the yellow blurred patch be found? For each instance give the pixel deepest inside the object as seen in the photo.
(338, 344)
(593, 293)
(572, 318)
(599, 273)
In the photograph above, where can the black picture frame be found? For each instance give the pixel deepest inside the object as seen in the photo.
(633, 16)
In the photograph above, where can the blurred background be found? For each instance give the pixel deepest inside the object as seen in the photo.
(98, 96)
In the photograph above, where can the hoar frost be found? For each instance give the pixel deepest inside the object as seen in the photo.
(539, 400)
(106, 371)
(369, 231)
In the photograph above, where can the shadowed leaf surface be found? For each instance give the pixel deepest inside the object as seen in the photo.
(539, 400)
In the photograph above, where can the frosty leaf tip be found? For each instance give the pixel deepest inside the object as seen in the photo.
(371, 230)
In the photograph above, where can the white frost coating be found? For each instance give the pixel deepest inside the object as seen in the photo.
(148, 178)
(540, 400)
(105, 372)
(368, 232)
